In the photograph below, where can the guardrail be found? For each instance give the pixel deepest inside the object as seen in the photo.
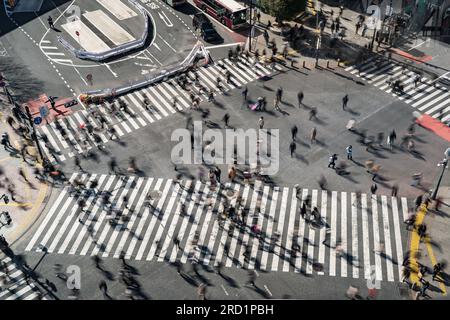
(101, 56)
(198, 53)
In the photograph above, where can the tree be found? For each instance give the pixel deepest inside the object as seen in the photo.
(283, 9)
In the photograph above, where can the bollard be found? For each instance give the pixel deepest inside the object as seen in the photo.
(328, 64)
(304, 64)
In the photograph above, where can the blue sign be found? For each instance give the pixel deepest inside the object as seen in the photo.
(43, 110)
(37, 120)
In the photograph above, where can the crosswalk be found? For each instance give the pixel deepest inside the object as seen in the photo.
(357, 235)
(13, 283)
(62, 138)
(427, 97)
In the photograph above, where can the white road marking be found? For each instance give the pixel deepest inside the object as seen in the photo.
(168, 44)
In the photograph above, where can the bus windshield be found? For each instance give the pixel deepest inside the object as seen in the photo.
(239, 17)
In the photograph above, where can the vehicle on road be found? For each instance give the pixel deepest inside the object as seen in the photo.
(175, 3)
(207, 30)
(228, 12)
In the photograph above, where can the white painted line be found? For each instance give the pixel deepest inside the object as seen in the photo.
(250, 214)
(55, 54)
(224, 290)
(376, 238)
(76, 224)
(365, 234)
(146, 215)
(62, 60)
(355, 258)
(235, 236)
(397, 233)
(168, 44)
(418, 45)
(225, 45)
(268, 230)
(87, 39)
(169, 235)
(300, 235)
(344, 234)
(387, 239)
(323, 215)
(333, 226)
(290, 232)
(108, 27)
(118, 9)
(268, 291)
(51, 48)
(311, 238)
(93, 211)
(162, 224)
(49, 215)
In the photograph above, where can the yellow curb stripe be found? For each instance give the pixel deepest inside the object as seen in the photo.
(414, 245)
(30, 215)
(434, 262)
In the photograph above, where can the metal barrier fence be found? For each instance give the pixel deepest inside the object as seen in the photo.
(198, 53)
(101, 56)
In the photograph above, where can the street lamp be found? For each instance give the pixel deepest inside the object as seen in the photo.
(444, 166)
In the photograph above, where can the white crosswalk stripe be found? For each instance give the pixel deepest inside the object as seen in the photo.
(428, 96)
(165, 99)
(267, 231)
(14, 283)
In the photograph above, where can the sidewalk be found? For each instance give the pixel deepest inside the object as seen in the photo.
(30, 197)
(433, 249)
(304, 48)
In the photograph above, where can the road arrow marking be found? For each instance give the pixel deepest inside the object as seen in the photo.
(164, 17)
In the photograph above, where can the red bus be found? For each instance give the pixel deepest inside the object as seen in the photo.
(228, 12)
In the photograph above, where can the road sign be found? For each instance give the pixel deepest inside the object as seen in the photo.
(37, 120)
(43, 110)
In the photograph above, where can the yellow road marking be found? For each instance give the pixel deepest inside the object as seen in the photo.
(414, 249)
(414, 245)
(434, 262)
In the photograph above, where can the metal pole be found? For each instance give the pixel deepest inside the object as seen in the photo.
(34, 136)
(251, 27)
(435, 192)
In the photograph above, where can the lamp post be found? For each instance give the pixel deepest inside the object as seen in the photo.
(444, 166)
(251, 26)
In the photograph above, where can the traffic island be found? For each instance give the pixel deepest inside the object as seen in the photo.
(103, 30)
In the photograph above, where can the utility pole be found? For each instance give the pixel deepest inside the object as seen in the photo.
(444, 166)
(318, 33)
(251, 27)
(33, 134)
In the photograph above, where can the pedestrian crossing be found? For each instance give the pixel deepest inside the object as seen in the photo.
(14, 285)
(64, 139)
(353, 235)
(426, 95)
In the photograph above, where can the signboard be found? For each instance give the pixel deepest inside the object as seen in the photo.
(37, 120)
(43, 110)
